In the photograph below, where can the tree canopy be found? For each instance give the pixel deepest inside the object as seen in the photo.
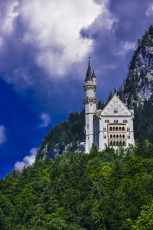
(101, 190)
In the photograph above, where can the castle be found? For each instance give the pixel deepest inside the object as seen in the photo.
(112, 126)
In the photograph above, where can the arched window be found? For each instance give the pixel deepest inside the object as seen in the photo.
(120, 128)
(117, 143)
(110, 128)
(123, 136)
(124, 144)
(114, 143)
(113, 128)
(120, 136)
(123, 128)
(111, 136)
(116, 128)
(110, 143)
(114, 136)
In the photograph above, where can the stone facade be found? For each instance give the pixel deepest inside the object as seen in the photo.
(112, 126)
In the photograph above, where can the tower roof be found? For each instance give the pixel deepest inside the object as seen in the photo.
(93, 74)
(89, 73)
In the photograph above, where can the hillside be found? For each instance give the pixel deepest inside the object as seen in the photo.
(96, 191)
(64, 136)
(138, 85)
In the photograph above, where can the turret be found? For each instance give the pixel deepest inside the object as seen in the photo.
(90, 102)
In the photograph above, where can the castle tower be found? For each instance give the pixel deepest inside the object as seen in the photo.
(90, 103)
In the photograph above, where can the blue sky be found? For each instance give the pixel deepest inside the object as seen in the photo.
(44, 50)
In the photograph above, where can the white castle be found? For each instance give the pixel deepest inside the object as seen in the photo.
(112, 126)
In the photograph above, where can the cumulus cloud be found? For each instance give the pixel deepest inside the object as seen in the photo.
(27, 161)
(2, 134)
(45, 118)
(49, 30)
(149, 10)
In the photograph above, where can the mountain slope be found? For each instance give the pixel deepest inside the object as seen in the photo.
(138, 85)
(64, 136)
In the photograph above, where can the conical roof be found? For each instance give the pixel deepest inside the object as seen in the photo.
(89, 73)
(93, 74)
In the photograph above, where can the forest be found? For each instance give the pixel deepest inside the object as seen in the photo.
(108, 190)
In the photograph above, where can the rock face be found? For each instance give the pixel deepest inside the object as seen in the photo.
(138, 86)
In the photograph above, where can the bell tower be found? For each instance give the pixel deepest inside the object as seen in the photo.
(90, 103)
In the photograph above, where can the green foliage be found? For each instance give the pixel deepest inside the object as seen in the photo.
(145, 219)
(143, 122)
(67, 133)
(105, 190)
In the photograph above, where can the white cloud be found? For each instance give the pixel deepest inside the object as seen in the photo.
(8, 13)
(126, 47)
(2, 134)
(53, 28)
(27, 161)
(41, 39)
(149, 11)
(45, 118)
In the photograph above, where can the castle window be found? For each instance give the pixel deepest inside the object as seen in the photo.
(124, 121)
(120, 128)
(115, 110)
(128, 136)
(104, 136)
(110, 143)
(114, 136)
(128, 129)
(116, 128)
(115, 121)
(113, 128)
(123, 128)
(110, 136)
(106, 121)
(110, 128)
(123, 136)
(104, 129)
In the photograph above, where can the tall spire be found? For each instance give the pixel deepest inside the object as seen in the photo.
(89, 72)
